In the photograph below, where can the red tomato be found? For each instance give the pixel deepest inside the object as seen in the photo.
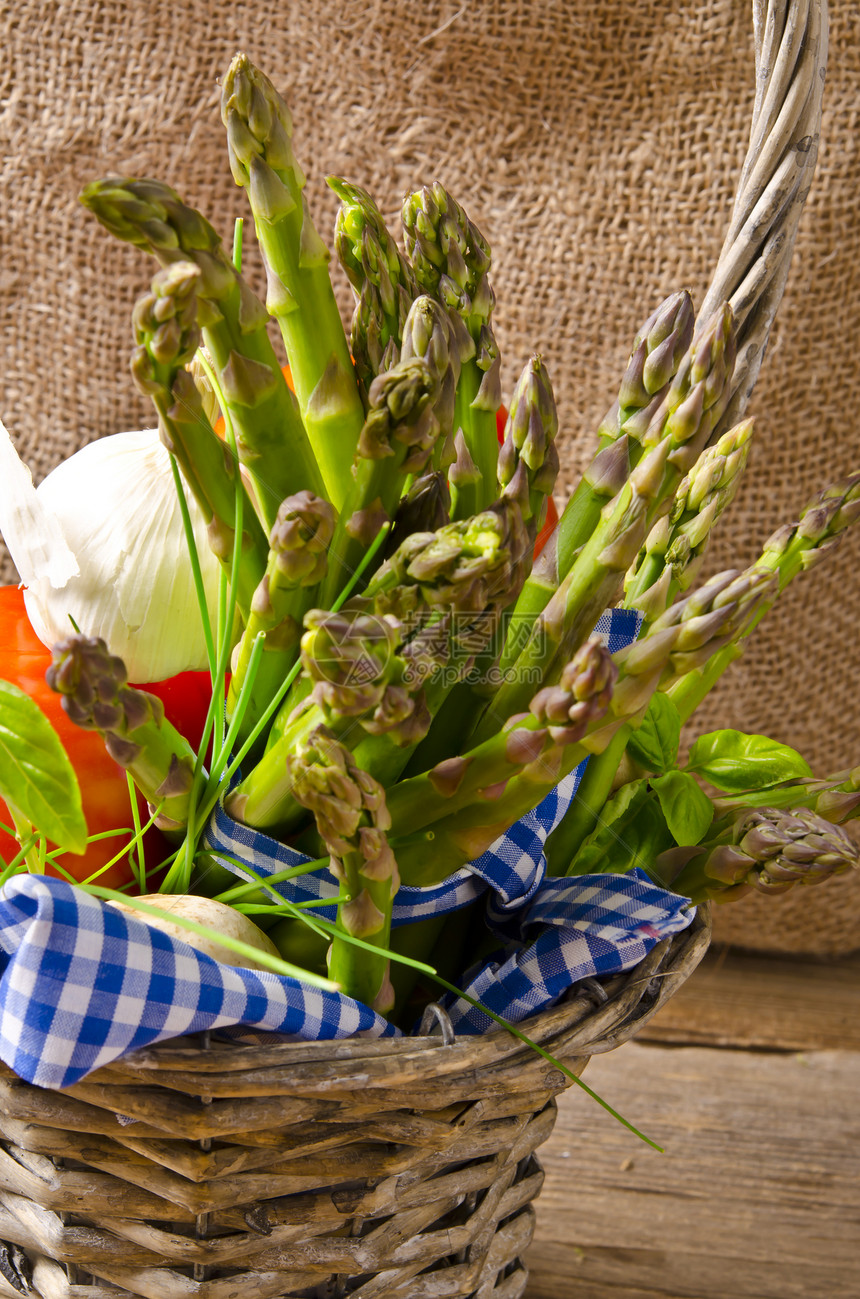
(548, 526)
(186, 702)
(24, 661)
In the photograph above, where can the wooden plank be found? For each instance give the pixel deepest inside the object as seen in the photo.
(757, 1195)
(742, 999)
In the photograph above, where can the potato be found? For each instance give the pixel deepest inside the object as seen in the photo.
(203, 911)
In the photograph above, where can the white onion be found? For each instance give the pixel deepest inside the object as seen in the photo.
(119, 518)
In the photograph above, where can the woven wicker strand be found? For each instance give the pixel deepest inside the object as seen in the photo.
(791, 59)
(307, 1169)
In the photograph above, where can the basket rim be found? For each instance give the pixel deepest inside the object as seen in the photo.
(571, 1031)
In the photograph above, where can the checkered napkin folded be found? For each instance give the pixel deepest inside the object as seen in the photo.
(82, 983)
(574, 929)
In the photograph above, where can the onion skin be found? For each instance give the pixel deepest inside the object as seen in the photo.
(116, 504)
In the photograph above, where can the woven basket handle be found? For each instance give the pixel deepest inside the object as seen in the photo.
(791, 58)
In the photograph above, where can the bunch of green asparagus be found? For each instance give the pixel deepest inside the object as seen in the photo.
(406, 678)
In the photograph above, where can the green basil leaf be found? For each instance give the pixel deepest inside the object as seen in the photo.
(632, 831)
(790, 795)
(618, 804)
(654, 743)
(736, 762)
(37, 780)
(686, 807)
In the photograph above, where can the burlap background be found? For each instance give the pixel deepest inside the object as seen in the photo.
(596, 142)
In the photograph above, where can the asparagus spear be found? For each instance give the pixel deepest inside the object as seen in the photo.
(674, 548)
(464, 480)
(92, 683)
(354, 660)
(735, 597)
(583, 595)
(528, 464)
(786, 554)
(793, 549)
(839, 801)
(695, 399)
(667, 564)
(361, 683)
(658, 349)
(423, 507)
(465, 567)
(270, 437)
(381, 277)
(769, 849)
(349, 808)
(451, 259)
(410, 409)
(469, 570)
(693, 628)
(300, 295)
(677, 435)
(603, 479)
(836, 798)
(165, 326)
(297, 561)
(528, 460)
(685, 414)
(453, 585)
(559, 716)
(440, 339)
(436, 645)
(397, 439)
(197, 368)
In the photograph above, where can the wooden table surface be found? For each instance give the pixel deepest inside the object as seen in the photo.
(750, 1080)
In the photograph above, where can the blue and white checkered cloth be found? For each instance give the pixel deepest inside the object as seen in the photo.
(82, 983)
(574, 929)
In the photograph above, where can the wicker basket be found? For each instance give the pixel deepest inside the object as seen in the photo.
(397, 1168)
(317, 1169)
